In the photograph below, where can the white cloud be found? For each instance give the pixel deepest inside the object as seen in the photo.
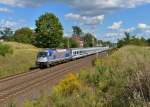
(87, 12)
(23, 3)
(130, 29)
(10, 23)
(116, 25)
(85, 20)
(84, 7)
(117, 31)
(73, 16)
(4, 10)
(143, 26)
(96, 7)
(112, 34)
(7, 23)
(90, 12)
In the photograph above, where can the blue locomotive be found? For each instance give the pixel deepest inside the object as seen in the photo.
(48, 57)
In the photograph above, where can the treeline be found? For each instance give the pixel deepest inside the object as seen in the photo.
(89, 39)
(132, 40)
(48, 33)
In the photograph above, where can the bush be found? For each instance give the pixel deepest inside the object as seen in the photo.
(67, 86)
(5, 49)
(24, 35)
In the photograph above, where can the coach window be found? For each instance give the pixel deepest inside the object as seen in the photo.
(54, 56)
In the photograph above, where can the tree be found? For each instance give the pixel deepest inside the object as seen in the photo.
(49, 31)
(148, 41)
(124, 41)
(70, 43)
(24, 35)
(108, 43)
(6, 33)
(129, 39)
(77, 31)
(89, 40)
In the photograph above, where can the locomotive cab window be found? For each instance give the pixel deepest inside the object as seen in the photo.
(75, 53)
(42, 54)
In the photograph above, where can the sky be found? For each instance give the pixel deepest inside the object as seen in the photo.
(106, 19)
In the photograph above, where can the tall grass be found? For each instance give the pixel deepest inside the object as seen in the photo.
(130, 75)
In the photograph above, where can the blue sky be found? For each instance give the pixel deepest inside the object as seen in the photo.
(107, 19)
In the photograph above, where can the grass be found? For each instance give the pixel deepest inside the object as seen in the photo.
(119, 80)
(21, 59)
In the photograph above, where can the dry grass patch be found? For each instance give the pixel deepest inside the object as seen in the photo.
(22, 58)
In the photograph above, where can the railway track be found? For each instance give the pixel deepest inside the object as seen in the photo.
(24, 76)
(21, 83)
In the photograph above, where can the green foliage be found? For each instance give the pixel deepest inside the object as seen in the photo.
(77, 31)
(49, 31)
(24, 35)
(73, 43)
(148, 42)
(108, 43)
(69, 43)
(5, 49)
(28, 104)
(89, 40)
(97, 62)
(6, 33)
(128, 40)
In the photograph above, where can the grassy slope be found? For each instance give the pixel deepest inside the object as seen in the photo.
(21, 60)
(120, 80)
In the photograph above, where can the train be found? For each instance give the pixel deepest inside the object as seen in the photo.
(48, 57)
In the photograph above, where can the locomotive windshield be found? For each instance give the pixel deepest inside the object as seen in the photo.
(42, 54)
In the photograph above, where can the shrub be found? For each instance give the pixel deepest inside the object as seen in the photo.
(24, 35)
(97, 62)
(5, 49)
(28, 104)
(67, 86)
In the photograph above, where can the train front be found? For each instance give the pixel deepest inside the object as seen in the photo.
(42, 59)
